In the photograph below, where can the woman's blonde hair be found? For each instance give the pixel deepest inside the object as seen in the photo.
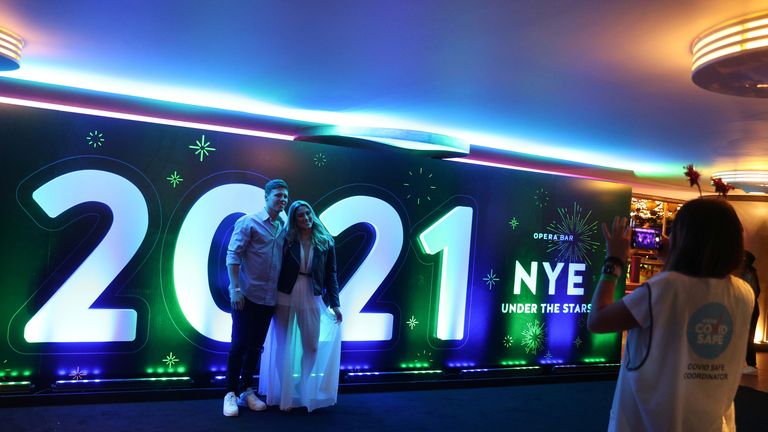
(321, 238)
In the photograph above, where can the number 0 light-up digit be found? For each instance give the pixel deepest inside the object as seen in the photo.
(67, 316)
(373, 270)
(190, 260)
(451, 235)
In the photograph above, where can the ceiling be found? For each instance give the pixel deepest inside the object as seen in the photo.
(591, 81)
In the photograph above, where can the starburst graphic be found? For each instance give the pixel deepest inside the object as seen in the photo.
(578, 342)
(508, 341)
(170, 359)
(424, 357)
(419, 185)
(514, 223)
(573, 233)
(202, 147)
(533, 337)
(175, 179)
(412, 322)
(541, 197)
(581, 322)
(319, 159)
(548, 355)
(491, 279)
(95, 138)
(78, 374)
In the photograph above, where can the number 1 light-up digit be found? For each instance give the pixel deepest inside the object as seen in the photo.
(373, 270)
(451, 235)
(190, 260)
(67, 316)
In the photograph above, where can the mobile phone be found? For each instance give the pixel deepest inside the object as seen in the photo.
(646, 238)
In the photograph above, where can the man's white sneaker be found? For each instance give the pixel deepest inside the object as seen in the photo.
(230, 405)
(248, 398)
(749, 370)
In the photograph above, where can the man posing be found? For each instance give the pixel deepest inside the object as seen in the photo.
(253, 261)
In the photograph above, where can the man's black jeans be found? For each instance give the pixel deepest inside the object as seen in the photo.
(249, 329)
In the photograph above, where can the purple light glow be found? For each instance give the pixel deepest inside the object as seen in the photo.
(142, 118)
(521, 168)
(354, 367)
(461, 364)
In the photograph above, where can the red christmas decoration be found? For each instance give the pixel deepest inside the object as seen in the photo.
(693, 176)
(722, 187)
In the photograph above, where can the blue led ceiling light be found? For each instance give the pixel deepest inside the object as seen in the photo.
(427, 143)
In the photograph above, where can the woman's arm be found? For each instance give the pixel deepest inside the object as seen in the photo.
(606, 315)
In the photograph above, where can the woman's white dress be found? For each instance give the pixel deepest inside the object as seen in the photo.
(295, 374)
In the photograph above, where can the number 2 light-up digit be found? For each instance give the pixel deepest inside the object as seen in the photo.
(373, 270)
(66, 316)
(190, 261)
(451, 235)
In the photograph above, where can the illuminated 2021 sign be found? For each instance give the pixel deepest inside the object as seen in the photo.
(116, 250)
(67, 315)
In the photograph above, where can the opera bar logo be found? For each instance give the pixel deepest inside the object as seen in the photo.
(553, 237)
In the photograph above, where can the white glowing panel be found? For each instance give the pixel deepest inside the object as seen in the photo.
(388, 242)
(190, 261)
(67, 316)
(451, 235)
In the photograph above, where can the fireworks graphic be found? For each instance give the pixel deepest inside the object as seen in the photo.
(319, 160)
(533, 337)
(548, 355)
(175, 179)
(508, 341)
(514, 223)
(578, 342)
(541, 197)
(95, 138)
(201, 147)
(170, 359)
(578, 232)
(491, 279)
(412, 322)
(424, 357)
(78, 374)
(419, 185)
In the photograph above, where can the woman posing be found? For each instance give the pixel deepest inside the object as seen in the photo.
(302, 366)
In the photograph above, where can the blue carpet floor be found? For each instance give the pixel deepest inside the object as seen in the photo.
(580, 406)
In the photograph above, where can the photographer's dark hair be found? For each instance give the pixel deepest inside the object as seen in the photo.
(707, 239)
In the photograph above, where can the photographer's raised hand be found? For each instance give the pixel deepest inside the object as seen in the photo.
(607, 315)
(617, 238)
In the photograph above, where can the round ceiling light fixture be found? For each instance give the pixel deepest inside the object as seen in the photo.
(754, 182)
(10, 50)
(424, 143)
(732, 57)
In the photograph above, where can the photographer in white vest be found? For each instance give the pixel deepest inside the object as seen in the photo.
(686, 327)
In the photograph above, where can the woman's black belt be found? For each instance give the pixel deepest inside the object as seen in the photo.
(305, 274)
